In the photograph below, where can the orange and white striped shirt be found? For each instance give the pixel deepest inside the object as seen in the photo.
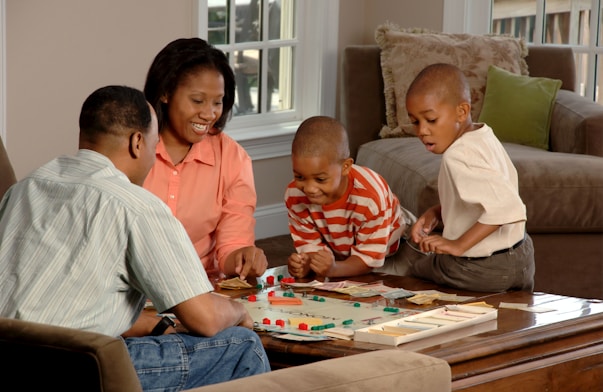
(367, 221)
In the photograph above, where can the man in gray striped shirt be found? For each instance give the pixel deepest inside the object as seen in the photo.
(83, 245)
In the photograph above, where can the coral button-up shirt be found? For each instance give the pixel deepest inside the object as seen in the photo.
(212, 193)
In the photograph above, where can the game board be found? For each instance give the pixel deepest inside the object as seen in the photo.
(316, 311)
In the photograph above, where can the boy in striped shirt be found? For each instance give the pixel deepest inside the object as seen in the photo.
(343, 218)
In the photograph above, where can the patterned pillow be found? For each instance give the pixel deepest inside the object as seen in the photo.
(405, 52)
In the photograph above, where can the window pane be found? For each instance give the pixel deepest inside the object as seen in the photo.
(247, 75)
(567, 22)
(248, 20)
(514, 17)
(218, 22)
(581, 72)
(280, 81)
(280, 19)
(598, 72)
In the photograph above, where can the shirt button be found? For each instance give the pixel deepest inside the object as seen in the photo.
(175, 172)
(172, 197)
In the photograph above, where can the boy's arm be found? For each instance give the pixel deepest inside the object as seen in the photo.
(470, 238)
(352, 266)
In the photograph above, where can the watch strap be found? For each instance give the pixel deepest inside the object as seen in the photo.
(163, 325)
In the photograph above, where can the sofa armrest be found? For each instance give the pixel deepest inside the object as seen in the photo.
(381, 370)
(7, 174)
(576, 125)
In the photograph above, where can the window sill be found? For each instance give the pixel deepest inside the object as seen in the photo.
(266, 141)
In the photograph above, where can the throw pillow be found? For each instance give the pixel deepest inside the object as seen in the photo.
(405, 52)
(519, 108)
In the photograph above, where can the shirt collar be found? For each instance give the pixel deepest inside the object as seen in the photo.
(202, 151)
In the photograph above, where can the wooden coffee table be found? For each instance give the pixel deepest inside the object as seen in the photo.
(561, 350)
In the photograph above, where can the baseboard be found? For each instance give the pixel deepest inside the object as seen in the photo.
(271, 220)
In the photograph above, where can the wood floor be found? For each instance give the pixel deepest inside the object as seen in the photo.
(277, 249)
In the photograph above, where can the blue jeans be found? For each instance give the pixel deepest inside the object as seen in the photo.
(174, 362)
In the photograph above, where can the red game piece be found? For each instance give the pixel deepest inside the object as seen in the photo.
(270, 280)
(303, 326)
(280, 322)
(266, 321)
(252, 298)
(271, 294)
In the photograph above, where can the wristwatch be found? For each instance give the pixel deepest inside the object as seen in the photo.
(162, 325)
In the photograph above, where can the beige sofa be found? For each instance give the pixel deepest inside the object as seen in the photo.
(43, 357)
(562, 188)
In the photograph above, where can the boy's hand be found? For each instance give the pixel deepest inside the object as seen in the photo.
(298, 265)
(321, 262)
(440, 245)
(425, 224)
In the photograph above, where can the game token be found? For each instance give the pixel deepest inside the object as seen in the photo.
(270, 280)
(303, 326)
(252, 298)
(271, 294)
(266, 321)
(280, 322)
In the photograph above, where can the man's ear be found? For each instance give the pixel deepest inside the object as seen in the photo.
(346, 166)
(135, 147)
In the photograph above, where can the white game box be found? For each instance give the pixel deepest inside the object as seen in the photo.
(426, 324)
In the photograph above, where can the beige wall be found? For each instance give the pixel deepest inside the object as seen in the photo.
(59, 51)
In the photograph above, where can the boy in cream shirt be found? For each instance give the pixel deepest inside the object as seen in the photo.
(483, 246)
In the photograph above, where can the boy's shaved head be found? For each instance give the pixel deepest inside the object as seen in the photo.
(444, 80)
(321, 136)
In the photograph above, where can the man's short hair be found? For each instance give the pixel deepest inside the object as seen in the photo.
(114, 110)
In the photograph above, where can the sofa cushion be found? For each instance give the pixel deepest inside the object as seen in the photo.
(518, 107)
(562, 192)
(380, 370)
(405, 52)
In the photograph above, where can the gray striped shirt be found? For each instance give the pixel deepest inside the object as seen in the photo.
(83, 247)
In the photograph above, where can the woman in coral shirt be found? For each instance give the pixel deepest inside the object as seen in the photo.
(202, 174)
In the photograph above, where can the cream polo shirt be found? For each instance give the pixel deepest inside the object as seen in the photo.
(477, 182)
(212, 192)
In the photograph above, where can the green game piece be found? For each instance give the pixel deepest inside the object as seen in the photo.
(280, 277)
(357, 305)
(315, 298)
(322, 299)
(393, 310)
(347, 322)
(330, 325)
(316, 327)
(259, 286)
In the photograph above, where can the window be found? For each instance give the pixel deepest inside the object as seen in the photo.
(280, 51)
(576, 23)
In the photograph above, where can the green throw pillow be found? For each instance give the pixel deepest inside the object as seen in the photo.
(519, 108)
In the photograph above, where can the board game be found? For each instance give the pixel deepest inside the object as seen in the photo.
(314, 315)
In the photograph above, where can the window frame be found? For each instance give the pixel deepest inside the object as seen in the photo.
(466, 16)
(269, 135)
